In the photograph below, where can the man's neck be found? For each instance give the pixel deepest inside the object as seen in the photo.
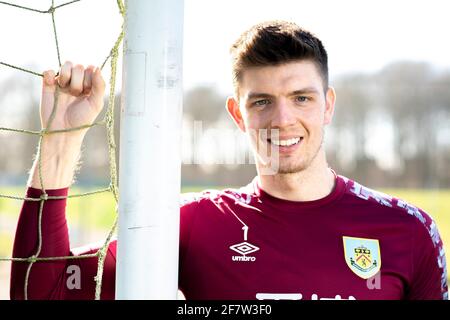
(313, 183)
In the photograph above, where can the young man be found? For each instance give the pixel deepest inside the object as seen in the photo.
(297, 231)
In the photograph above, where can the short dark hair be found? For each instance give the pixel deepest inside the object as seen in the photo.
(274, 43)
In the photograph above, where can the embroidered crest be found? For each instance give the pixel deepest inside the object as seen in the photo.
(362, 256)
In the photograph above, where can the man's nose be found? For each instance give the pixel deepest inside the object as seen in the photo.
(283, 115)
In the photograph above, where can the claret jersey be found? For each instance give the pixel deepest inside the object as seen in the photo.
(355, 244)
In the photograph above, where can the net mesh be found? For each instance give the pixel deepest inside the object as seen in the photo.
(107, 122)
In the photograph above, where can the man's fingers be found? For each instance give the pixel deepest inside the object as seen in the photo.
(98, 87)
(49, 81)
(87, 82)
(79, 81)
(76, 81)
(65, 74)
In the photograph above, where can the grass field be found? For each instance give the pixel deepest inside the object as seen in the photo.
(91, 217)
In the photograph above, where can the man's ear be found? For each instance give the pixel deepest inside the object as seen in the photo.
(235, 113)
(329, 105)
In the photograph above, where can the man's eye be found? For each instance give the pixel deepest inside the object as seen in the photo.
(261, 102)
(302, 99)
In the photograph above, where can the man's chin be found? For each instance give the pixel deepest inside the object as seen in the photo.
(290, 170)
(277, 169)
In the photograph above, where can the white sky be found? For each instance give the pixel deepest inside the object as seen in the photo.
(359, 35)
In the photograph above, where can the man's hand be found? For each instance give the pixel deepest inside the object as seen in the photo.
(80, 100)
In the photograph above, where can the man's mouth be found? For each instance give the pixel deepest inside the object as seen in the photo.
(285, 142)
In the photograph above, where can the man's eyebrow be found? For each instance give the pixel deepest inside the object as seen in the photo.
(259, 95)
(304, 91)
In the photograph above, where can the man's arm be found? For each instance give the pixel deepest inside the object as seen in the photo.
(429, 272)
(80, 100)
(63, 279)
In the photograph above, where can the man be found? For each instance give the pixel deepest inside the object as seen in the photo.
(297, 231)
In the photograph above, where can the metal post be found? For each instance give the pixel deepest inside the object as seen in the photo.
(150, 152)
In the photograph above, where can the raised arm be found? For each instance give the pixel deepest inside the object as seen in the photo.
(80, 100)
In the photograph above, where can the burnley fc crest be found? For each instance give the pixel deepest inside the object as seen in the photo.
(362, 256)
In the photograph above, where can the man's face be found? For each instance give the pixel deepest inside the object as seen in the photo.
(283, 109)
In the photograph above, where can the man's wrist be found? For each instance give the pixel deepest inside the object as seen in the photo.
(62, 142)
(57, 162)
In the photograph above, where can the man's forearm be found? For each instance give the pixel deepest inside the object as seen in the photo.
(59, 157)
(45, 278)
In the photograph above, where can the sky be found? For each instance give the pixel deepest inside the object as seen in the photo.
(359, 35)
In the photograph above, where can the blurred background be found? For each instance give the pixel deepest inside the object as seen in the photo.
(389, 63)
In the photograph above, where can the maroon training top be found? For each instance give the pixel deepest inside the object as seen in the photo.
(355, 243)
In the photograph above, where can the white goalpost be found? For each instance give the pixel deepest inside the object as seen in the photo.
(150, 151)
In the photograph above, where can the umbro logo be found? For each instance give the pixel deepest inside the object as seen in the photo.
(244, 248)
